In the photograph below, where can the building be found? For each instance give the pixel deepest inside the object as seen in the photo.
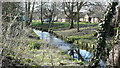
(84, 17)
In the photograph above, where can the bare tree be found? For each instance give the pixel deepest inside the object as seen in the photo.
(79, 6)
(31, 14)
(27, 13)
(10, 12)
(40, 10)
(69, 8)
(50, 11)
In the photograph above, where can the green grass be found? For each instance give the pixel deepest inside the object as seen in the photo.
(58, 25)
(83, 36)
(37, 24)
(86, 23)
(88, 38)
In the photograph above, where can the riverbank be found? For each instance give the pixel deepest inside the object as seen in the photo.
(34, 52)
(82, 39)
(86, 38)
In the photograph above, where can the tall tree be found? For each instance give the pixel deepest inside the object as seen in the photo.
(100, 51)
(50, 11)
(79, 6)
(31, 14)
(41, 9)
(41, 12)
(69, 8)
(27, 13)
(114, 56)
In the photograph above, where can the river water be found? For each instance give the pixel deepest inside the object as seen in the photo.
(53, 41)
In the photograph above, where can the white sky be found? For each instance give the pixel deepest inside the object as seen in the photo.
(54, 0)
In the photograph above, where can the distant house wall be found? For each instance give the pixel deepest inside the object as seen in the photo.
(86, 19)
(95, 20)
(81, 19)
(61, 20)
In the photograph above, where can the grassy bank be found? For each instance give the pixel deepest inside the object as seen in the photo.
(61, 25)
(34, 52)
(83, 39)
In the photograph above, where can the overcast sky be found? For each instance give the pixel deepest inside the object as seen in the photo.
(55, 0)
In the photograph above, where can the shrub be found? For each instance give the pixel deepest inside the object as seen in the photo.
(34, 45)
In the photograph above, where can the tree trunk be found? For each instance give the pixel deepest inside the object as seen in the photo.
(100, 50)
(1, 22)
(71, 24)
(71, 17)
(77, 17)
(41, 14)
(50, 22)
(27, 8)
(31, 15)
(114, 57)
(26, 13)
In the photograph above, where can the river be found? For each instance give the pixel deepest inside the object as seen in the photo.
(56, 42)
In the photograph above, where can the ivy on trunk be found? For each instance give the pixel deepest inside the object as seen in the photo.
(100, 51)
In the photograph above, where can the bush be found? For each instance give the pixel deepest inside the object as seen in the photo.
(34, 46)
